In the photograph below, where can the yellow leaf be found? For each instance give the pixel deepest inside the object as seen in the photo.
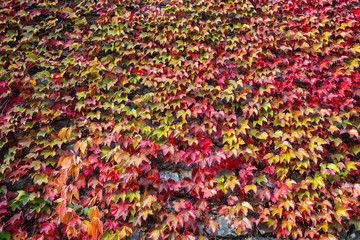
(305, 45)
(155, 234)
(125, 231)
(247, 205)
(62, 133)
(318, 181)
(250, 187)
(263, 135)
(356, 47)
(341, 211)
(316, 47)
(231, 182)
(333, 167)
(149, 199)
(213, 225)
(33, 82)
(276, 211)
(354, 132)
(350, 165)
(333, 128)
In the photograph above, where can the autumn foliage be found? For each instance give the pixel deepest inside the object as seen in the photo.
(258, 100)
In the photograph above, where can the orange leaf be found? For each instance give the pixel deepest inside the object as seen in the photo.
(96, 228)
(65, 161)
(62, 133)
(327, 237)
(94, 213)
(82, 145)
(65, 133)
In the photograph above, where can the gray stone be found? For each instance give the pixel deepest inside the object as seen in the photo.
(59, 124)
(343, 234)
(264, 229)
(201, 227)
(170, 175)
(70, 147)
(136, 234)
(185, 173)
(19, 184)
(226, 229)
(354, 236)
(258, 238)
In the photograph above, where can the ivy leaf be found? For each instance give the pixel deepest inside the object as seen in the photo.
(263, 136)
(64, 133)
(65, 161)
(350, 165)
(317, 181)
(333, 167)
(61, 209)
(213, 225)
(25, 142)
(250, 187)
(47, 227)
(5, 235)
(232, 199)
(133, 195)
(179, 204)
(40, 179)
(155, 234)
(327, 237)
(231, 182)
(125, 231)
(87, 210)
(82, 145)
(356, 150)
(341, 211)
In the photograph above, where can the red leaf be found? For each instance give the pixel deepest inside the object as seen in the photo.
(265, 193)
(46, 227)
(232, 199)
(119, 210)
(115, 210)
(178, 205)
(61, 209)
(357, 13)
(81, 182)
(111, 224)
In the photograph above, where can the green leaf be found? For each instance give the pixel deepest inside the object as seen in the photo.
(133, 195)
(40, 179)
(5, 235)
(31, 57)
(48, 152)
(87, 210)
(317, 181)
(144, 34)
(106, 152)
(356, 150)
